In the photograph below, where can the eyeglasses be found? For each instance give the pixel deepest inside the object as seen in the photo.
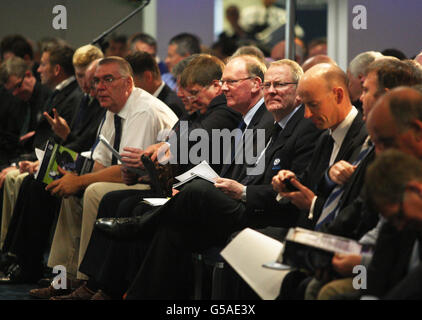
(106, 81)
(194, 93)
(231, 82)
(276, 85)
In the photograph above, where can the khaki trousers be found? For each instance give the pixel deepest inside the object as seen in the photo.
(75, 223)
(11, 187)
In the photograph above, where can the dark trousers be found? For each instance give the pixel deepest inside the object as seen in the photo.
(113, 264)
(197, 218)
(29, 232)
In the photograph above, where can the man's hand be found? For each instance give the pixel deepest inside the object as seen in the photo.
(128, 177)
(230, 187)
(131, 157)
(28, 166)
(161, 153)
(341, 171)
(66, 186)
(278, 179)
(302, 198)
(58, 124)
(344, 263)
(4, 173)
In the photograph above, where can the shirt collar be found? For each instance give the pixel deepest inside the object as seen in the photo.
(248, 116)
(65, 83)
(339, 133)
(283, 122)
(159, 89)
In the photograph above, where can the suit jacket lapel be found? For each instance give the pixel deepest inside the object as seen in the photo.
(351, 139)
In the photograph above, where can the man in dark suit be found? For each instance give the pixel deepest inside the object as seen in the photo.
(323, 90)
(204, 215)
(18, 114)
(212, 113)
(395, 122)
(147, 76)
(35, 211)
(192, 79)
(57, 73)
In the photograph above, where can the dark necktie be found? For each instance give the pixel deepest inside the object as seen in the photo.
(117, 136)
(274, 135)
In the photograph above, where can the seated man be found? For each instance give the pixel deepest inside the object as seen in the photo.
(134, 118)
(147, 76)
(202, 215)
(384, 122)
(36, 208)
(200, 75)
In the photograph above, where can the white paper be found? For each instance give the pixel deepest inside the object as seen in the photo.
(40, 155)
(156, 201)
(247, 252)
(86, 154)
(202, 170)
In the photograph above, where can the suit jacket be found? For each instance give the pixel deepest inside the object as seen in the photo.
(262, 119)
(292, 150)
(65, 102)
(217, 116)
(355, 217)
(170, 98)
(313, 176)
(10, 124)
(390, 262)
(83, 137)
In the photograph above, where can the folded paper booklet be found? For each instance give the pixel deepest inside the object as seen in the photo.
(247, 253)
(56, 155)
(312, 250)
(155, 202)
(202, 170)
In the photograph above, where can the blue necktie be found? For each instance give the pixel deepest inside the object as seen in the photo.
(332, 204)
(117, 136)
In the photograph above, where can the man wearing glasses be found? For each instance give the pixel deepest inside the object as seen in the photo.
(134, 118)
(212, 212)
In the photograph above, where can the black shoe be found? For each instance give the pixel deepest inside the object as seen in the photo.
(119, 228)
(6, 260)
(14, 275)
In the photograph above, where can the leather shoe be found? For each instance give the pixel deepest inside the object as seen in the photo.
(6, 260)
(81, 293)
(100, 295)
(119, 228)
(50, 291)
(14, 275)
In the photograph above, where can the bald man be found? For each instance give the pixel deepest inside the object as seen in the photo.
(323, 91)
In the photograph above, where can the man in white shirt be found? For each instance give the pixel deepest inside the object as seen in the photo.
(138, 119)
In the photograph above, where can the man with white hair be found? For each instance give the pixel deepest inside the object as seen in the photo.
(356, 74)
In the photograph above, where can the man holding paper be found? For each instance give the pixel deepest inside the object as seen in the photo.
(133, 118)
(203, 215)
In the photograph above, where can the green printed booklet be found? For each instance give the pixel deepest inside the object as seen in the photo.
(56, 155)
